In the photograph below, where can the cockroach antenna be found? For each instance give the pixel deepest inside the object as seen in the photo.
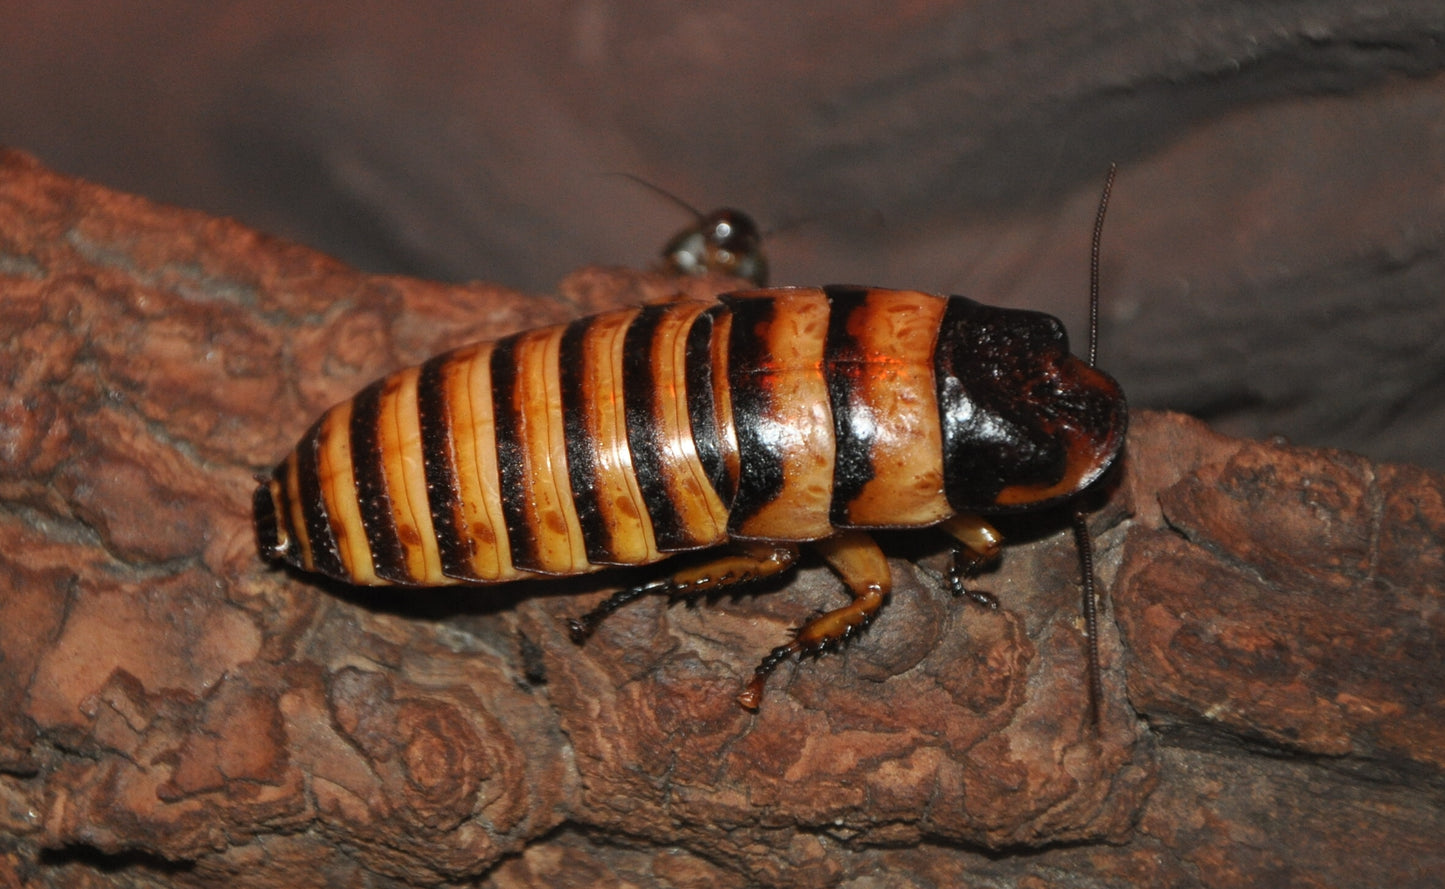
(1082, 539)
(659, 190)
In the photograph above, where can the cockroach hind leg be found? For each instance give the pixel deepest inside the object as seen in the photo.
(747, 563)
(581, 628)
(744, 564)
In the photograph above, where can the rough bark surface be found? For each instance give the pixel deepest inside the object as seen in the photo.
(173, 712)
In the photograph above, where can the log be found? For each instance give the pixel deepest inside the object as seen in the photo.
(179, 713)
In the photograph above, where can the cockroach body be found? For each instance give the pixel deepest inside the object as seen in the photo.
(769, 419)
(726, 241)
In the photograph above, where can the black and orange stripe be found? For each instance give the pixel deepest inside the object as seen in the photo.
(783, 415)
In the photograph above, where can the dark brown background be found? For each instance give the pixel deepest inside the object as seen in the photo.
(1273, 259)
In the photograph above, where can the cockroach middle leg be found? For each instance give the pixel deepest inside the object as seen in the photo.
(861, 564)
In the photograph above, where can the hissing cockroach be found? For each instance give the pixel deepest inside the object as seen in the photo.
(725, 241)
(763, 421)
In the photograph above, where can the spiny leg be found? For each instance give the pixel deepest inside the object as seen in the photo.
(747, 562)
(981, 544)
(863, 568)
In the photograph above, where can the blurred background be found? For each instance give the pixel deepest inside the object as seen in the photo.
(1273, 256)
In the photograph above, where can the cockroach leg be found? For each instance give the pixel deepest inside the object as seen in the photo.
(980, 544)
(860, 563)
(581, 628)
(743, 564)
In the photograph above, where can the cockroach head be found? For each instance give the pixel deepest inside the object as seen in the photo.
(1025, 423)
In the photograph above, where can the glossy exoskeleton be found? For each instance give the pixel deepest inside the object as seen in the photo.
(766, 420)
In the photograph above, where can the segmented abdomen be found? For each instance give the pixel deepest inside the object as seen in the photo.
(777, 414)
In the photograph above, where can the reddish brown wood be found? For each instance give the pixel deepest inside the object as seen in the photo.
(174, 712)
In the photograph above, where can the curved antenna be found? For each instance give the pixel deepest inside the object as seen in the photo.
(1094, 265)
(1082, 539)
(658, 189)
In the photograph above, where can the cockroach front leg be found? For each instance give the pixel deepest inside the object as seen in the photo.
(863, 568)
(745, 563)
(980, 543)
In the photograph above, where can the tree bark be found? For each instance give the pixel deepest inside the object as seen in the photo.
(174, 711)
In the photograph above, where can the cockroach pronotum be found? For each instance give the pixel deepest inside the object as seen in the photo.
(725, 241)
(769, 419)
